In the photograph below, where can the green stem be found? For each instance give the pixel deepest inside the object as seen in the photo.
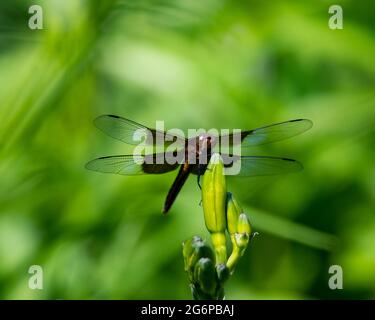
(236, 254)
(219, 242)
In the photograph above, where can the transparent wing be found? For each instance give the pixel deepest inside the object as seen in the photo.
(249, 166)
(134, 133)
(132, 165)
(267, 134)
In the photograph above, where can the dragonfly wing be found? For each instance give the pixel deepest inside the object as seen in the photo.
(268, 134)
(134, 133)
(250, 166)
(131, 164)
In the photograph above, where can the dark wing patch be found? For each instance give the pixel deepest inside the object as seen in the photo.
(130, 165)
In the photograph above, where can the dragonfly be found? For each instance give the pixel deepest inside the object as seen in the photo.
(191, 151)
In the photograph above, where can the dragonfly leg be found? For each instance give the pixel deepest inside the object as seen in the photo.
(199, 185)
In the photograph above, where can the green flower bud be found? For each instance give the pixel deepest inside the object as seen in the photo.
(214, 195)
(233, 212)
(240, 241)
(205, 275)
(222, 272)
(243, 224)
(193, 250)
(188, 248)
(243, 231)
(206, 280)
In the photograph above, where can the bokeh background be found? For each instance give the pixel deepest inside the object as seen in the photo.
(194, 64)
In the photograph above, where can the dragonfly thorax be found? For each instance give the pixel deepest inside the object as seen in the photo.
(198, 149)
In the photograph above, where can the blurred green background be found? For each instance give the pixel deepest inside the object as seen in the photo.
(194, 64)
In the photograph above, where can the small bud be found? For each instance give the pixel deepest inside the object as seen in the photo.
(193, 250)
(233, 212)
(188, 248)
(222, 272)
(243, 224)
(240, 241)
(243, 231)
(205, 275)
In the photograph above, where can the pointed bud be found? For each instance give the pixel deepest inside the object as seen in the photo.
(243, 224)
(243, 231)
(240, 241)
(222, 272)
(188, 248)
(193, 250)
(205, 275)
(233, 212)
